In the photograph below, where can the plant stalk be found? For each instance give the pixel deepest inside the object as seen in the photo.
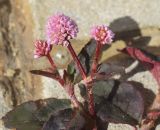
(90, 100)
(61, 81)
(51, 62)
(74, 101)
(96, 59)
(90, 85)
(75, 58)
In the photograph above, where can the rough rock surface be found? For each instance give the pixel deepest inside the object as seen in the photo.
(22, 21)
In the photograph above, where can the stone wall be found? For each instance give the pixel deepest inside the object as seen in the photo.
(23, 21)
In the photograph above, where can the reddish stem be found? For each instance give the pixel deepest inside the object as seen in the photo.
(90, 100)
(61, 81)
(74, 101)
(78, 63)
(70, 91)
(96, 58)
(135, 128)
(89, 86)
(95, 128)
(51, 61)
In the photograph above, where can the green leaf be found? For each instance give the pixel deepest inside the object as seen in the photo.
(32, 115)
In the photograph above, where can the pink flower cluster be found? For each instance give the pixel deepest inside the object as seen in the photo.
(102, 34)
(60, 29)
(42, 48)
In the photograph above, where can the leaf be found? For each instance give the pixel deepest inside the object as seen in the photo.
(66, 119)
(130, 99)
(50, 73)
(122, 98)
(101, 125)
(111, 113)
(107, 69)
(85, 57)
(32, 115)
(149, 60)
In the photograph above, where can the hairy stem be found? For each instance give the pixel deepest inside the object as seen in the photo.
(58, 77)
(90, 100)
(70, 91)
(78, 63)
(96, 58)
(51, 62)
(74, 100)
(89, 85)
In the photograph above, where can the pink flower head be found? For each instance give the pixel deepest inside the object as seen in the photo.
(42, 48)
(60, 29)
(102, 34)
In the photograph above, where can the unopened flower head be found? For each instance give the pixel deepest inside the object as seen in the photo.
(60, 29)
(102, 34)
(42, 48)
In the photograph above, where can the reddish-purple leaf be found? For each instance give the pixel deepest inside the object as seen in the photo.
(50, 73)
(32, 115)
(107, 70)
(149, 60)
(66, 119)
(117, 102)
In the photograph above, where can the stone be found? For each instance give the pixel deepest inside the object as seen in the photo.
(2, 126)
(9, 73)
(113, 126)
(52, 88)
(23, 21)
(158, 127)
(120, 15)
(6, 94)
